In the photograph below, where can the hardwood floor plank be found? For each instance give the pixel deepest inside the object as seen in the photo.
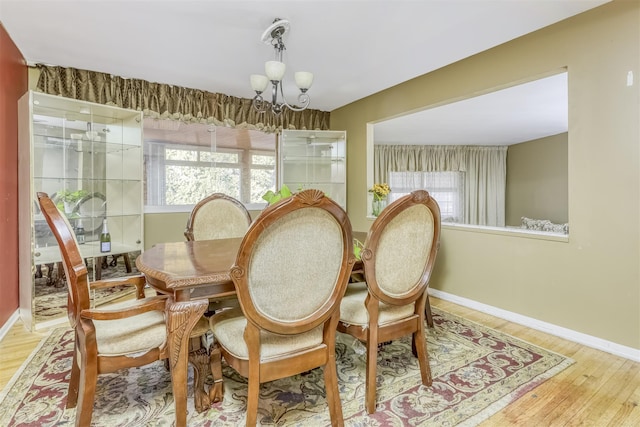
(614, 396)
(571, 397)
(15, 347)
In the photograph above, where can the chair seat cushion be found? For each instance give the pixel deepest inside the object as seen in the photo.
(228, 329)
(132, 335)
(354, 312)
(201, 328)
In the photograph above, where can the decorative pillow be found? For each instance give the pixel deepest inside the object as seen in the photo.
(534, 224)
(544, 225)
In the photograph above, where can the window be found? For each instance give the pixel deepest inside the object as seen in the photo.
(446, 187)
(181, 168)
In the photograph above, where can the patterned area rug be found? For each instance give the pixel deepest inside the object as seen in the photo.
(476, 372)
(51, 294)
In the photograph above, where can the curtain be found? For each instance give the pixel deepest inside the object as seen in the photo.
(157, 100)
(485, 182)
(484, 169)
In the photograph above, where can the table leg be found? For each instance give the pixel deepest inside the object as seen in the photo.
(200, 360)
(181, 318)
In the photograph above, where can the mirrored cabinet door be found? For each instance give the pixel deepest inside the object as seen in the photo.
(88, 158)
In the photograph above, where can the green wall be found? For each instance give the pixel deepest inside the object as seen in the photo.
(537, 180)
(590, 283)
(168, 227)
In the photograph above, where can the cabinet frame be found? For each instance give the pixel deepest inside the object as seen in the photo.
(82, 147)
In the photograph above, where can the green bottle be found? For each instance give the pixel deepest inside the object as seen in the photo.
(105, 238)
(80, 232)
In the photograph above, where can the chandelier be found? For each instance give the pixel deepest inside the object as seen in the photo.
(274, 71)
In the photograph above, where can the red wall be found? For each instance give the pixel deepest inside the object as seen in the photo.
(14, 82)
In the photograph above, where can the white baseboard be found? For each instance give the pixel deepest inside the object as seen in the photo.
(568, 334)
(9, 323)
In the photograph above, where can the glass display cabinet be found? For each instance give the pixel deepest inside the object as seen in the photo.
(88, 158)
(314, 159)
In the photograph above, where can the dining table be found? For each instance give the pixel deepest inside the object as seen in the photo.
(192, 273)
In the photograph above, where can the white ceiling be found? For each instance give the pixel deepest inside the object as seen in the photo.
(524, 112)
(354, 47)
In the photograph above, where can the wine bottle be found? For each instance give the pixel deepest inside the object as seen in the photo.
(80, 232)
(105, 238)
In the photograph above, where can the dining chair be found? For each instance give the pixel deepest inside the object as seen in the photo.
(217, 216)
(123, 335)
(398, 258)
(290, 274)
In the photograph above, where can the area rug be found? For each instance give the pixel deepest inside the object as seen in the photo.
(476, 372)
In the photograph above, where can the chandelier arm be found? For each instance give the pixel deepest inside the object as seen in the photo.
(259, 103)
(303, 98)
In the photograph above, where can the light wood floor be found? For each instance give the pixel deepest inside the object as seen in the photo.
(598, 390)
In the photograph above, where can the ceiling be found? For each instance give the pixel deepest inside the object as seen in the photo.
(521, 113)
(354, 48)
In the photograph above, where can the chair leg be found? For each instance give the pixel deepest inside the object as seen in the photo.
(420, 345)
(60, 280)
(74, 382)
(86, 393)
(216, 391)
(253, 394)
(370, 382)
(427, 312)
(50, 279)
(127, 262)
(333, 395)
(98, 264)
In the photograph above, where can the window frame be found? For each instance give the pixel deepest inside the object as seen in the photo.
(457, 210)
(157, 149)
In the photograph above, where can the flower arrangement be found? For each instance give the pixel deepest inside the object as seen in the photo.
(380, 191)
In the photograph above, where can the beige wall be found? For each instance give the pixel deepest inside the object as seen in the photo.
(590, 284)
(537, 180)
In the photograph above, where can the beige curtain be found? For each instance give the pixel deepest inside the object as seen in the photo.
(484, 167)
(157, 100)
(416, 158)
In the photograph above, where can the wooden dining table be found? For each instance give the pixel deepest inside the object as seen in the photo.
(192, 273)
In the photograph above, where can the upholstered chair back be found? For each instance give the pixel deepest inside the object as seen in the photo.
(217, 216)
(403, 251)
(294, 266)
(291, 263)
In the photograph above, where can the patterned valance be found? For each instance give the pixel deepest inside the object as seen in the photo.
(165, 101)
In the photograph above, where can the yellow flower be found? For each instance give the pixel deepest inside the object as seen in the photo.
(380, 191)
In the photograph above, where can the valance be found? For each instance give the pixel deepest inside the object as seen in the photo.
(163, 101)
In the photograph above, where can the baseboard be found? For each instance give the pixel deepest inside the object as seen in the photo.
(568, 334)
(9, 323)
